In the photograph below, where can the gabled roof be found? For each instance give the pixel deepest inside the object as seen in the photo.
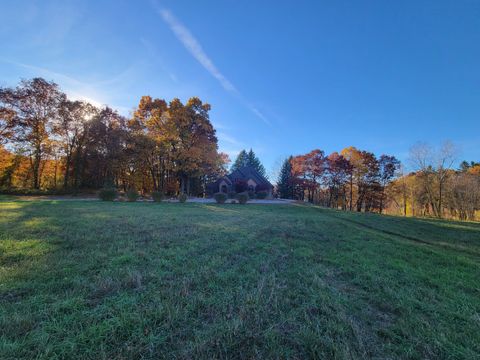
(247, 172)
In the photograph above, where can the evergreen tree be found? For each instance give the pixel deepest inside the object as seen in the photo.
(240, 161)
(284, 183)
(254, 162)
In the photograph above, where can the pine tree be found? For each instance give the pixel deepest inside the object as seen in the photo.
(249, 159)
(240, 161)
(284, 183)
(254, 162)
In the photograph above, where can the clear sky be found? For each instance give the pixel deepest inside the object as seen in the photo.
(283, 77)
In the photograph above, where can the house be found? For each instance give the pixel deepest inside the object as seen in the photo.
(242, 179)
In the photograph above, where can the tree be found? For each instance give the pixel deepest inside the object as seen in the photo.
(69, 127)
(463, 196)
(465, 165)
(388, 165)
(355, 169)
(6, 124)
(31, 107)
(196, 149)
(240, 161)
(152, 139)
(433, 168)
(314, 168)
(368, 182)
(102, 161)
(249, 158)
(285, 180)
(307, 172)
(254, 162)
(338, 170)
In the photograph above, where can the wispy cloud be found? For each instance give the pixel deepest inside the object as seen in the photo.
(74, 88)
(229, 139)
(193, 46)
(259, 114)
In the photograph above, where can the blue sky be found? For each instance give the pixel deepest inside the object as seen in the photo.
(283, 77)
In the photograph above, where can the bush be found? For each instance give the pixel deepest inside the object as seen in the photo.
(157, 196)
(182, 197)
(262, 195)
(251, 194)
(242, 197)
(132, 195)
(232, 194)
(107, 194)
(220, 198)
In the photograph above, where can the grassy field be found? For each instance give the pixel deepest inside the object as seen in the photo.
(144, 280)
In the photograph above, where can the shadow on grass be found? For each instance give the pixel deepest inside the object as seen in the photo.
(462, 237)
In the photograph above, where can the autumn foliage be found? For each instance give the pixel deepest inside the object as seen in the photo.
(56, 143)
(352, 179)
(358, 180)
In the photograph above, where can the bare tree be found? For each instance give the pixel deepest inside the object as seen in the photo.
(444, 161)
(432, 168)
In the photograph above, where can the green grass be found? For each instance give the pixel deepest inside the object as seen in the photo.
(144, 280)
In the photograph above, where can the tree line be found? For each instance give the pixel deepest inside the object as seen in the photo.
(48, 141)
(358, 180)
(435, 188)
(350, 180)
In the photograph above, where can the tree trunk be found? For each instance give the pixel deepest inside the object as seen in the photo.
(67, 172)
(440, 212)
(381, 199)
(36, 167)
(55, 174)
(351, 192)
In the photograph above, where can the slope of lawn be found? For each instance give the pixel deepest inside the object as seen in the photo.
(196, 281)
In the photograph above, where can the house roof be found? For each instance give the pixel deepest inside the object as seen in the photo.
(248, 172)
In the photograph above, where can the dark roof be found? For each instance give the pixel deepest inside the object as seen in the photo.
(247, 172)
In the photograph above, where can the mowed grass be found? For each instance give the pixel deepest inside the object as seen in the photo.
(197, 281)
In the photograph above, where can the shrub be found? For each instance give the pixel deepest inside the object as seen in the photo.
(107, 194)
(233, 201)
(251, 194)
(157, 196)
(182, 197)
(232, 194)
(132, 195)
(220, 198)
(242, 197)
(262, 195)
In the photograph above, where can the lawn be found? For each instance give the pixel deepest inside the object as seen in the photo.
(204, 281)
